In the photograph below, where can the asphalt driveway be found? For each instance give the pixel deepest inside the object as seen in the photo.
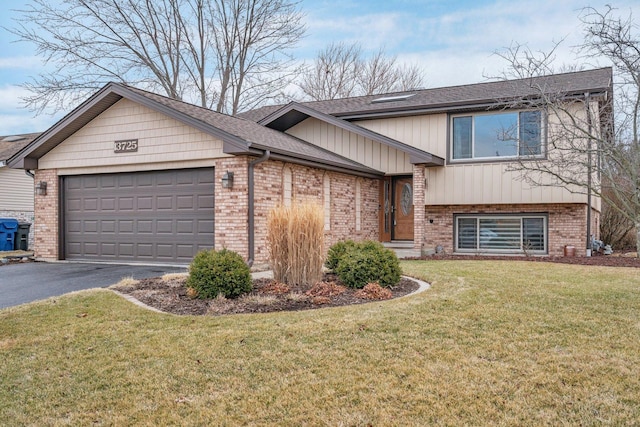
(25, 282)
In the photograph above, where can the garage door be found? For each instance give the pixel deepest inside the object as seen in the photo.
(160, 216)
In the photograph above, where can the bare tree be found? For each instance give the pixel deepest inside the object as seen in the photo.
(333, 74)
(252, 41)
(590, 149)
(226, 53)
(342, 70)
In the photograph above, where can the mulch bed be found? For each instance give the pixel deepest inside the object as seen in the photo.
(267, 295)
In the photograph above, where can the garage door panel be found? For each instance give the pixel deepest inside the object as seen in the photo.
(145, 226)
(74, 205)
(164, 202)
(125, 204)
(165, 180)
(145, 203)
(90, 249)
(164, 227)
(126, 249)
(90, 226)
(108, 249)
(89, 204)
(205, 226)
(144, 250)
(163, 216)
(125, 226)
(90, 182)
(204, 202)
(108, 204)
(108, 181)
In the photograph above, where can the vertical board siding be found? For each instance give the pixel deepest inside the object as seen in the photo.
(426, 132)
(488, 183)
(160, 139)
(469, 183)
(16, 190)
(352, 146)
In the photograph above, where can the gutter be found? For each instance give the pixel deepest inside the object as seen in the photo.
(587, 98)
(251, 202)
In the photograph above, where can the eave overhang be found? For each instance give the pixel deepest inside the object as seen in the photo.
(27, 158)
(293, 113)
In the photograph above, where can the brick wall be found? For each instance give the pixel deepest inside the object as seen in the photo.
(46, 217)
(231, 205)
(567, 224)
(21, 216)
(308, 185)
(418, 214)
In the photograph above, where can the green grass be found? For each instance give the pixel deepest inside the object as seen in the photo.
(500, 343)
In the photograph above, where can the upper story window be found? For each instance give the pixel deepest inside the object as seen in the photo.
(496, 135)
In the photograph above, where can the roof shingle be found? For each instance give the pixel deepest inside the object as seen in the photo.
(452, 97)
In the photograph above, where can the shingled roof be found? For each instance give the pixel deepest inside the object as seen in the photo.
(11, 144)
(240, 136)
(454, 97)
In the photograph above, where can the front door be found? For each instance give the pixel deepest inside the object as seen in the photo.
(402, 209)
(396, 209)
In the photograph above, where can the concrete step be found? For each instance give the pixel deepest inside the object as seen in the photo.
(403, 249)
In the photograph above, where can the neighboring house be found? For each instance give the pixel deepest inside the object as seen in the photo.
(135, 176)
(16, 186)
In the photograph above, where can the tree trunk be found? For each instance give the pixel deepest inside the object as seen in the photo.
(638, 238)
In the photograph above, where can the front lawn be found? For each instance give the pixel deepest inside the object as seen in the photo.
(492, 342)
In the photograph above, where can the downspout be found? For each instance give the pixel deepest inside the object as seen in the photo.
(251, 217)
(29, 173)
(589, 126)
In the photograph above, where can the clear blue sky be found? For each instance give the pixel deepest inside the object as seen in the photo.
(452, 40)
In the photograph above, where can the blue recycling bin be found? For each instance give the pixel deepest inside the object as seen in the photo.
(8, 229)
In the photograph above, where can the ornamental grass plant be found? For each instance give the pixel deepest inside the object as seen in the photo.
(295, 237)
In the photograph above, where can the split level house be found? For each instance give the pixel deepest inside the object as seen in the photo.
(133, 176)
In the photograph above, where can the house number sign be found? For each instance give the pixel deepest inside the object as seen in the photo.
(125, 146)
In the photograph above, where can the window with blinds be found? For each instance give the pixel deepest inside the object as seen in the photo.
(501, 233)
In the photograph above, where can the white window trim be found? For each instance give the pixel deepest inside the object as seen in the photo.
(473, 159)
(521, 216)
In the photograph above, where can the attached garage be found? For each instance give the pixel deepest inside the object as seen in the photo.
(131, 176)
(156, 216)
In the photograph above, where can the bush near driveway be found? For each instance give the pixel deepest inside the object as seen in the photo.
(223, 272)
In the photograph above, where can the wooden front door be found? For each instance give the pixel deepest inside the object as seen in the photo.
(402, 208)
(396, 209)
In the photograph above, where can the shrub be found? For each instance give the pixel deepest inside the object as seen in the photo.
(374, 291)
(336, 252)
(213, 273)
(367, 262)
(295, 236)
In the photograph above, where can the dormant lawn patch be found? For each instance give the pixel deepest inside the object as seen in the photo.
(492, 342)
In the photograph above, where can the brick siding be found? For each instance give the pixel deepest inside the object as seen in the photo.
(567, 224)
(308, 185)
(46, 217)
(230, 206)
(22, 216)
